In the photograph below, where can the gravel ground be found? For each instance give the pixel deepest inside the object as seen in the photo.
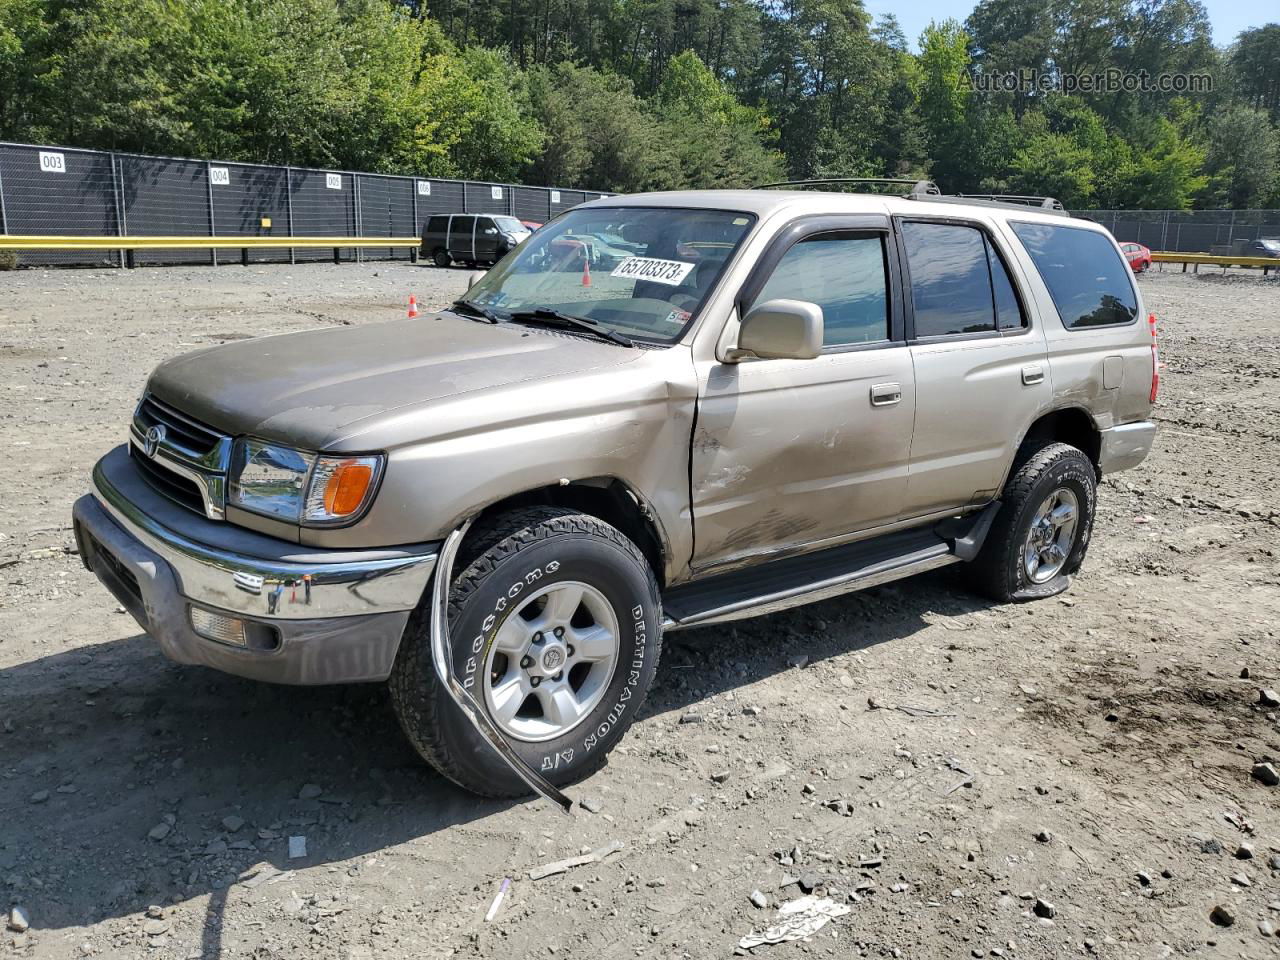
(1064, 778)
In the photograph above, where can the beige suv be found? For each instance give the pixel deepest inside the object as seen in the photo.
(763, 398)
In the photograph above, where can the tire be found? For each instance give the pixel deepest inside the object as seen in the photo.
(514, 567)
(1001, 568)
(442, 258)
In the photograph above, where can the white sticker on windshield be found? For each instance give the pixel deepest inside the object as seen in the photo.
(670, 272)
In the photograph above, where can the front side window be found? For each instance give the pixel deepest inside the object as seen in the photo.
(643, 272)
(1089, 284)
(844, 274)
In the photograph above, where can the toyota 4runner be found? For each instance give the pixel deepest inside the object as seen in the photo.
(768, 398)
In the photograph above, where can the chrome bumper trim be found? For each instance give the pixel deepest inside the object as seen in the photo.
(442, 658)
(274, 588)
(1125, 446)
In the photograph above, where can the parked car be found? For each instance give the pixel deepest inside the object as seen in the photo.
(501, 508)
(1138, 256)
(470, 238)
(1245, 247)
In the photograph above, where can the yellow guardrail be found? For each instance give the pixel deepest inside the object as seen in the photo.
(19, 242)
(1215, 260)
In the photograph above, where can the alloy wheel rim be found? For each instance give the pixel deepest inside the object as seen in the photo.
(551, 661)
(1051, 536)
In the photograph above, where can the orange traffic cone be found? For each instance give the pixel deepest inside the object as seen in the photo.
(586, 272)
(413, 306)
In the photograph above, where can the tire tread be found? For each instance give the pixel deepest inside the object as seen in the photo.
(488, 544)
(989, 570)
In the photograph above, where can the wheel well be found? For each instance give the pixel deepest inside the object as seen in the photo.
(1071, 425)
(605, 498)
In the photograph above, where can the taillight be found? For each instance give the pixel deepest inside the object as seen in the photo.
(1155, 358)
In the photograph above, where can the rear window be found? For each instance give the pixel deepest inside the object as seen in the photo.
(1089, 284)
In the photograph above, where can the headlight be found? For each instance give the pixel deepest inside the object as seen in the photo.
(300, 487)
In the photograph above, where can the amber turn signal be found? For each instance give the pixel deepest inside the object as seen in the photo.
(346, 488)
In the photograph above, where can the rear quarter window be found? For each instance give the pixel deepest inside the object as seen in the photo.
(1088, 280)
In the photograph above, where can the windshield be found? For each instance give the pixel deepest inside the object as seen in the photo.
(510, 225)
(639, 271)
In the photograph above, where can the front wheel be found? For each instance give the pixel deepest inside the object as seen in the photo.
(554, 618)
(1042, 531)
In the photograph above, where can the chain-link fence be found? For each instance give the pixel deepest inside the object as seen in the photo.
(1187, 231)
(62, 191)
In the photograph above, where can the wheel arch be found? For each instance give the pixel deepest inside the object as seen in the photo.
(606, 498)
(1073, 425)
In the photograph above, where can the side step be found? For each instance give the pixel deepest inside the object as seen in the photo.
(780, 584)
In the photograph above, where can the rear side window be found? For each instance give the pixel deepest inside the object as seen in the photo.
(437, 225)
(951, 280)
(1009, 315)
(844, 274)
(1089, 284)
(460, 233)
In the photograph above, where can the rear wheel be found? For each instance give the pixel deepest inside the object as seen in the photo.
(555, 626)
(1042, 531)
(442, 258)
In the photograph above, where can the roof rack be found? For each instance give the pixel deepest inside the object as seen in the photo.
(919, 188)
(1047, 203)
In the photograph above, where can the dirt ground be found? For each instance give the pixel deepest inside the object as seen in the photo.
(1087, 757)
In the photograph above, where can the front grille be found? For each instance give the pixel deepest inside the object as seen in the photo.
(189, 435)
(176, 487)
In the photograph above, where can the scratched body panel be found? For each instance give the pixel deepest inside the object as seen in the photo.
(789, 452)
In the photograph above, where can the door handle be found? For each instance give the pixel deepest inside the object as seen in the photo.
(885, 394)
(1032, 374)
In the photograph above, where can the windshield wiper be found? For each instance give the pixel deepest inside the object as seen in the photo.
(476, 310)
(554, 318)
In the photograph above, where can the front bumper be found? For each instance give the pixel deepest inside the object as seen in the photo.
(312, 616)
(1125, 446)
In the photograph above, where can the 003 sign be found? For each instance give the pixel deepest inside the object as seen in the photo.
(52, 162)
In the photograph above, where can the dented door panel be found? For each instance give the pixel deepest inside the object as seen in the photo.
(787, 453)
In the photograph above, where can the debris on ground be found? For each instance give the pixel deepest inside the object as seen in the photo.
(297, 848)
(18, 921)
(497, 900)
(796, 920)
(560, 866)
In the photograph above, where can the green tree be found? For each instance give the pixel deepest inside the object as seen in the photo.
(1243, 158)
(1255, 68)
(945, 99)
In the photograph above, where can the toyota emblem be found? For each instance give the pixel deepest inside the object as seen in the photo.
(151, 442)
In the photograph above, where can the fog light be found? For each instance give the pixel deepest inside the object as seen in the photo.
(215, 626)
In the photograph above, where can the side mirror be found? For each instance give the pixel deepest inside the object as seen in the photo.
(779, 330)
(474, 277)
(490, 231)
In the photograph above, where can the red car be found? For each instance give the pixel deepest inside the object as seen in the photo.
(1139, 257)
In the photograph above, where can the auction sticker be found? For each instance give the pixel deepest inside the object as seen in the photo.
(671, 272)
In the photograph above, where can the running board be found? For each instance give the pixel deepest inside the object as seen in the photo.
(793, 581)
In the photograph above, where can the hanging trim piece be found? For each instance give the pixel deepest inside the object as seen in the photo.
(442, 655)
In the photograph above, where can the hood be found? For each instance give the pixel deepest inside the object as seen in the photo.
(309, 389)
